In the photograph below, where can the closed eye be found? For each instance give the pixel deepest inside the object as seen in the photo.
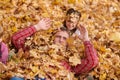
(58, 36)
(64, 38)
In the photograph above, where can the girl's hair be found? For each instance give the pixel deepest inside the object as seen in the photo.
(71, 10)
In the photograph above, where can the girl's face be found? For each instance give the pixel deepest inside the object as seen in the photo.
(72, 21)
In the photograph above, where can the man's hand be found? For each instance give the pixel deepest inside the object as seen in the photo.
(84, 33)
(43, 24)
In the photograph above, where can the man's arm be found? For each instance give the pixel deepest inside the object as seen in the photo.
(89, 62)
(18, 39)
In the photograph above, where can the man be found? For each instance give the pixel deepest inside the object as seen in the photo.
(88, 63)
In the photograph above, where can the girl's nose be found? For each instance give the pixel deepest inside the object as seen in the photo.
(61, 39)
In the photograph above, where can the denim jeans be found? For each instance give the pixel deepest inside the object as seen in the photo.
(18, 78)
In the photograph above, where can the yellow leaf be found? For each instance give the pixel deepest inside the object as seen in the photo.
(53, 71)
(31, 74)
(79, 0)
(33, 53)
(84, 16)
(118, 72)
(1, 29)
(71, 1)
(34, 69)
(103, 76)
(102, 48)
(116, 13)
(70, 76)
(115, 36)
(14, 29)
(74, 60)
(70, 41)
(56, 2)
(2, 67)
(20, 53)
(50, 51)
(45, 15)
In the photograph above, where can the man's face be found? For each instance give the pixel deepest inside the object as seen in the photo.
(72, 21)
(61, 37)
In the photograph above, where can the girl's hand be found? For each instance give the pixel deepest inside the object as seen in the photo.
(84, 33)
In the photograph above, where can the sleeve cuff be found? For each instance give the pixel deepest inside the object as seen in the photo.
(33, 28)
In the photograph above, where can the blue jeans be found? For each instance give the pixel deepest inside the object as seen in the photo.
(18, 78)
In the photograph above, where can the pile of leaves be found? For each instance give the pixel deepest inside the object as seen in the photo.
(101, 17)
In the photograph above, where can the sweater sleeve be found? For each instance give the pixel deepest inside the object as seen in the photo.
(18, 39)
(90, 60)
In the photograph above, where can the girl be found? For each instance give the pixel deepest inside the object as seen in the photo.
(71, 21)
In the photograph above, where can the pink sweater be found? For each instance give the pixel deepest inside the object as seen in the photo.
(4, 50)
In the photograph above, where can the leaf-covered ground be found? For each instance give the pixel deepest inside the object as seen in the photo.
(101, 17)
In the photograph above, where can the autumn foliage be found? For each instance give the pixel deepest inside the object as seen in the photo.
(101, 17)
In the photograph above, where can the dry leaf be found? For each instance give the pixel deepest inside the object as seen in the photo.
(20, 53)
(74, 60)
(3, 67)
(101, 17)
(115, 37)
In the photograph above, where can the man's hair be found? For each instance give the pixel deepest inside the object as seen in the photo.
(71, 10)
(63, 28)
(59, 29)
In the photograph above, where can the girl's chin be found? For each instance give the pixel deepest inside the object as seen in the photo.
(71, 28)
